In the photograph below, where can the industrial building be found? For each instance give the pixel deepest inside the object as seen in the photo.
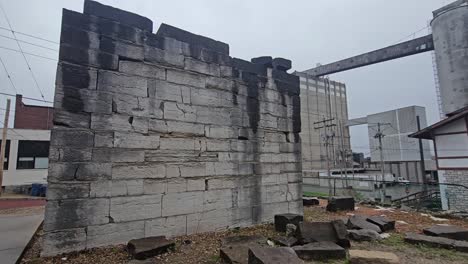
(321, 99)
(400, 153)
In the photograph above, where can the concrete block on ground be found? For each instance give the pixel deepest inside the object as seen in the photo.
(372, 257)
(363, 235)
(148, 247)
(450, 231)
(280, 255)
(440, 242)
(386, 224)
(320, 251)
(324, 232)
(360, 222)
(341, 204)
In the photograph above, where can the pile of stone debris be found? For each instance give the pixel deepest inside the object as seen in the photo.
(308, 241)
(442, 236)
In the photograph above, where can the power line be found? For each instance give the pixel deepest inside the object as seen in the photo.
(29, 98)
(28, 53)
(29, 35)
(24, 56)
(8, 75)
(30, 43)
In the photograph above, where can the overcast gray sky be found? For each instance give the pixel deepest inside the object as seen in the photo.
(307, 32)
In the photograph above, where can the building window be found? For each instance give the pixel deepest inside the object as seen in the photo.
(7, 154)
(33, 154)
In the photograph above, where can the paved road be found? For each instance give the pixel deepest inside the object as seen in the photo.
(17, 229)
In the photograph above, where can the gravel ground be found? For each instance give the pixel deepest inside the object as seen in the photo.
(204, 248)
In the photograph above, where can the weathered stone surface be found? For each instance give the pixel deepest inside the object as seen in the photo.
(452, 232)
(103, 235)
(372, 257)
(282, 220)
(53, 242)
(235, 249)
(433, 241)
(148, 247)
(340, 204)
(320, 251)
(309, 201)
(363, 235)
(286, 241)
(360, 222)
(383, 222)
(123, 209)
(259, 255)
(323, 231)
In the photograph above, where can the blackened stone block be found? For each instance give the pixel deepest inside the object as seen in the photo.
(340, 204)
(88, 57)
(247, 66)
(308, 201)
(264, 60)
(452, 232)
(236, 249)
(192, 39)
(281, 64)
(286, 241)
(360, 222)
(324, 231)
(149, 247)
(112, 13)
(281, 220)
(279, 255)
(320, 251)
(363, 235)
(440, 242)
(383, 222)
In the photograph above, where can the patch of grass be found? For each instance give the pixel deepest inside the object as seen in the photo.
(395, 240)
(314, 194)
(214, 259)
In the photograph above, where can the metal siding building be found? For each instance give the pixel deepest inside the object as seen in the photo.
(322, 98)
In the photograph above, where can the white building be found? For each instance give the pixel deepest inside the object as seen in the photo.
(26, 157)
(450, 137)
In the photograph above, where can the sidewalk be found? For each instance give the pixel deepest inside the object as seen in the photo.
(17, 229)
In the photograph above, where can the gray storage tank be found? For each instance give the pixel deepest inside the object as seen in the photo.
(450, 33)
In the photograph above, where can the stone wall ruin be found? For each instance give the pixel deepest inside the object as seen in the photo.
(164, 134)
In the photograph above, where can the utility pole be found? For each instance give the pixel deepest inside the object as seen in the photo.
(421, 154)
(326, 138)
(3, 146)
(380, 135)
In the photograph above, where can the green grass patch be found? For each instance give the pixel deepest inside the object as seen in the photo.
(314, 194)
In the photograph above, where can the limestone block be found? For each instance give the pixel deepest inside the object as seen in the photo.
(294, 177)
(225, 71)
(126, 188)
(220, 132)
(118, 122)
(123, 209)
(217, 199)
(69, 154)
(104, 139)
(82, 100)
(134, 140)
(182, 203)
(68, 190)
(266, 212)
(192, 169)
(180, 112)
(202, 67)
(160, 56)
(142, 69)
(211, 97)
(64, 214)
(67, 171)
(151, 186)
(185, 78)
(294, 191)
(138, 171)
(69, 119)
(169, 91)
(72, 138)
(120, 83)
(197, 185)
(223, 183)
(222, 168)
(136, 106)
(115, 233)
(206, 115)
(100, 189)
(183, 144)
(175, 46)
(218, 145)
(274, 193)
(69, 75)
(213, 220)
(118, 155)
(124, 50)
(53, 242)
(185, 128)
(178, 156)
(221, 84)
(88, 57)
(176, 185)
(166, 226)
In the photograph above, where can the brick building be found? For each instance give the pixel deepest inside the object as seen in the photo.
(32, 116)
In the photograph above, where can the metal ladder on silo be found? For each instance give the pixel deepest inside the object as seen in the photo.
(436, 79)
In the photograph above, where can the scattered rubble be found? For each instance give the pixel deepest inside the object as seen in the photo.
(363, 235)
(360, 222)
(281, 255)
(447, 231)
(235, 249)
(372, 257)
(340, 204)
(320, 251)
(281, 220)
(334, 231)
(287, 241)
(148, 247)
(382, 222)
(433, 241)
